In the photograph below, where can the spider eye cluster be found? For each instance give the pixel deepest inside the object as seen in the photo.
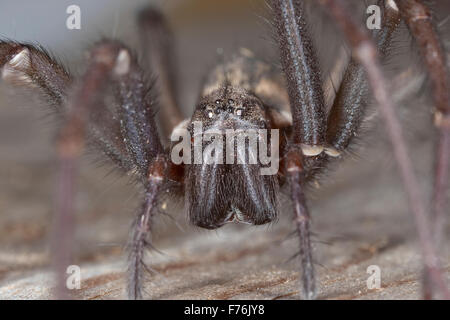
(229, 105)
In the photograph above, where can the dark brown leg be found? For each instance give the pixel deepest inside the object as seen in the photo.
(366, 53)
(294, 171)
(31, 67)
(136, 114)
(353, 94)
(146, 152)
(298, 59)
(420, 23)
(28, 66)
(113, 64)
(140, 237)
(25, 65)
(158, 48)
(87, 92)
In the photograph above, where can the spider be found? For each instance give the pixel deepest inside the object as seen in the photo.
(109, 108)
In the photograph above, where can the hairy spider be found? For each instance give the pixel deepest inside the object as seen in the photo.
(109, 108)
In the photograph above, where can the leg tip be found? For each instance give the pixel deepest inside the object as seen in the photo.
(123, 63)
(332, 152)
(311, 151)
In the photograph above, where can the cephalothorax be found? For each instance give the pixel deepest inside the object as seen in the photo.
(110, 108)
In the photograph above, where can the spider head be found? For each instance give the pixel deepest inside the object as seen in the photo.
(226, 184)
(230, 108)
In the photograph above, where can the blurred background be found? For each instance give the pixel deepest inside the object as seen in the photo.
(359, 212)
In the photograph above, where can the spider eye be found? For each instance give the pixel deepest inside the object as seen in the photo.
(210, 114)
(238, 112)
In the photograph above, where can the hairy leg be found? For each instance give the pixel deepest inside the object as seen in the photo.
(87, 118)
(138, 127)
(114, 64)
(300, 66)
(420, 23)
(31, 67)
(87, 92)
(353, 94)
(294, 171)
(25, 65)
(158, 49)
(366, 53)
(136, 113)
(140, 239)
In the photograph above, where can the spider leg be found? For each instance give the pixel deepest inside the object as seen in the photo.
(89, 89)
(112, 64)
(138, 127)
(366, 53)
(294, 169)
(25, 65)
(136, 113)
(142, 227)
(158, 49)
(300, 66)
(352, 97)
(420, 23)
(31, 67)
